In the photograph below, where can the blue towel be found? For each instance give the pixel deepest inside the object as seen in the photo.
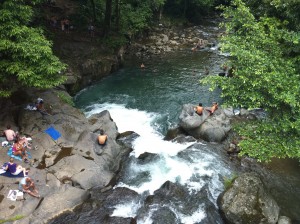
(10, 154)
(8, 174)
(53, 133)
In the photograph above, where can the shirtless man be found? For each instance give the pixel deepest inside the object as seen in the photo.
(102, 138)
(9, 134)
(199, 109)
(213, 108)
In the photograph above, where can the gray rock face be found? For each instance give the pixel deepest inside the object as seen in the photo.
(212, 128)
(65, 169)
(246, 202)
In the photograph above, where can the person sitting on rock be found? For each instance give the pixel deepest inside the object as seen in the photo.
(27, 185)
(18, 149)
(40, 106)
(9, 134)
(102, 138)
(213, 108)
(23, 140)
(199, 109)
(14, 168)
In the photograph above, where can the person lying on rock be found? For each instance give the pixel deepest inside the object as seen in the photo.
(27, 185)
(199, 109)
(102, 138)
(14, 168)
(213, 108)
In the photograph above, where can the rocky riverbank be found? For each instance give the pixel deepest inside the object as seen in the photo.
(63, 170)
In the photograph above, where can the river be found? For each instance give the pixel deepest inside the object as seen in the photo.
(148, 101)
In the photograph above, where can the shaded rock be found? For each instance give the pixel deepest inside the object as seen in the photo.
(56, 204)
(147, 157)
(246, 201)
(173, 133)
(127, 138)
(172, 197)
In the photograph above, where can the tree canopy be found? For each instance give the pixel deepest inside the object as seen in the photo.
(266, 75)
(26, 57)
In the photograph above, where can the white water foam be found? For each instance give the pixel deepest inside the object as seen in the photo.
(196, 217)
(126, 210)
(194, 173)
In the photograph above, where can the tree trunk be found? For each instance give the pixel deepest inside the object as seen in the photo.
(117, 12)
(107, 19)
(94, 10)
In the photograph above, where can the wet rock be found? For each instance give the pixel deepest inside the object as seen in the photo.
(246, 201)
(127, 138)
(164, 215)
(172, 197)
(284, 220)
(147, 157)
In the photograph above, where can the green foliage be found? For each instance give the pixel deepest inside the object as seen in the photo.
(228, 181)
(192, 10)
(26, 58)
(114, 42)
(17, 217)
(135, 17)
(264, 140)
(265, 76)
(66, 98)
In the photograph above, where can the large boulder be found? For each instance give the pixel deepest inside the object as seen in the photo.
(246, 202)
(211, 128)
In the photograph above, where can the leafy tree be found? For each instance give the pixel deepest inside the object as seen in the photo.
(192, 10)
(264, 77)
(26, 58)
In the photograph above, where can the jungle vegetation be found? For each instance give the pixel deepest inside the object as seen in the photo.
(262, 38)
(263, 42)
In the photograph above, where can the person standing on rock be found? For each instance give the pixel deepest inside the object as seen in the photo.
(102, 138)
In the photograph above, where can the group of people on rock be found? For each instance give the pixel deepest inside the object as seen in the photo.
(199, 109)
(19, 146)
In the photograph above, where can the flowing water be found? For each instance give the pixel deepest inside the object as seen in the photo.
(148, 101)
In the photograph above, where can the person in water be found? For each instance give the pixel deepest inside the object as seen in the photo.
(102, 138)
(199, 109)
(142, 65)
